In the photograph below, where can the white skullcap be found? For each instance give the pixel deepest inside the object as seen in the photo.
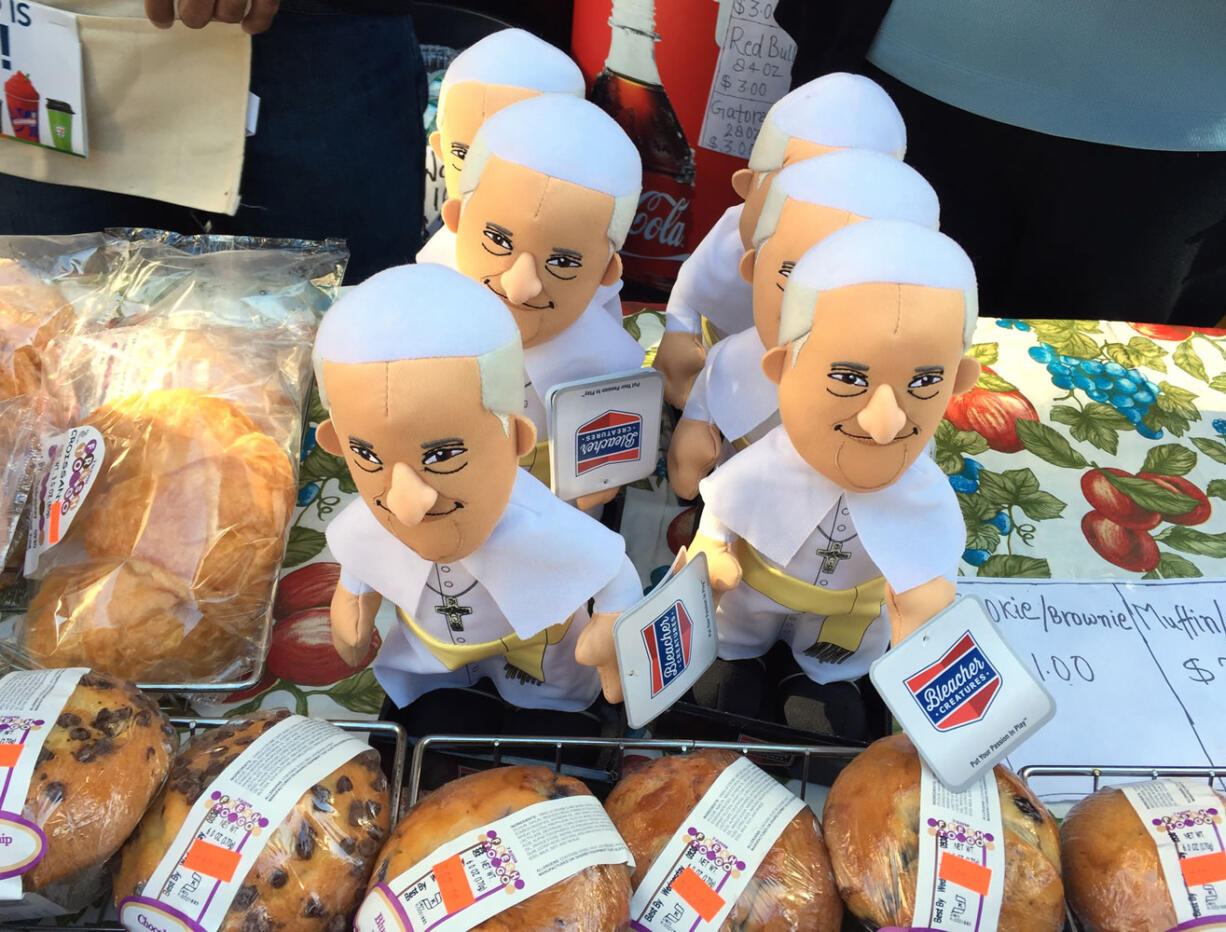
(877, 251)
(863, 182)
(514, 58)
(426, 312)
(846, 111)
(565, 138)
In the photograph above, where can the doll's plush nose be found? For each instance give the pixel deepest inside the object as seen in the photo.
(409, 498)
(881, 418)
(520, 282)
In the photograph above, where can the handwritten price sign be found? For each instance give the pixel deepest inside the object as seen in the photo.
(753, 71)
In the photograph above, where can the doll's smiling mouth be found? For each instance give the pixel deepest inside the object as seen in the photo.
(845, 433)
(438, 514)
(535, 307)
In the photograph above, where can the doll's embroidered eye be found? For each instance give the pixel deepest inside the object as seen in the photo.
(786, 269)
(499, 237)
(564, 261)
(926, 379)
(367, 454)
(459, 150)
(848, 377)
(442, 454)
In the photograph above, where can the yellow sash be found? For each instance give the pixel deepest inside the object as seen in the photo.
(536, 461)
(710, 334)
(526, 655)
(848, 612)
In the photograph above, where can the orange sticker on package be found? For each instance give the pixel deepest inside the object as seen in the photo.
(968, 874)
(453, 884)
(702, 899)
(212, 860)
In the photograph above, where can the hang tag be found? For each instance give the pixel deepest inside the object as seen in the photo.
(961, 694)
(605, 431)
(666, 641)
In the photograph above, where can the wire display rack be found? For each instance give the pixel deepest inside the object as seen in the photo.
(189, 726)
(1096, 772)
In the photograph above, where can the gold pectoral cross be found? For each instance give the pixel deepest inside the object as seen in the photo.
(832, 555)
(453, 611)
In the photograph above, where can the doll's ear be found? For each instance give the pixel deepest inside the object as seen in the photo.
(772, 362)
(525, 434)
(612, 271)
(742, 181)
(436, 143)
(450, 213)
(747, 264)
(967, 374)
(325, 436)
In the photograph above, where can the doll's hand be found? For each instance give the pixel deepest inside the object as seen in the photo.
(595, 649)
(723, 568)
(353, 623)
(584, 502)
(680, 357)
(692, 453)
(908, 610)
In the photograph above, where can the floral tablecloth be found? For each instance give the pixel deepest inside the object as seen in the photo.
(1088, 450)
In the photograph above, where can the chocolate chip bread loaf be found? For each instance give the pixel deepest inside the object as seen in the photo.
(872, 822)
(315, 865)
(103, 761)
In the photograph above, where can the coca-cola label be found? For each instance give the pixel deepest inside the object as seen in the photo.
(658, 241)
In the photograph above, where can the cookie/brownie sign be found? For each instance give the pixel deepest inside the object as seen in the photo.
(487, 870)
(696, 879)
(1184, 819)
(30, 703)
(198, 878)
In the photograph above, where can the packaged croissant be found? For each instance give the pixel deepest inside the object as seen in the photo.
(160, 521)
(909, 852)
(1147, 857)
(265, 823)
(718, 843)
(513, 849)
(84, 754)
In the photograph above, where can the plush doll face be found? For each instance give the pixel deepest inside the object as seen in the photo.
(468, 105)
(538, 243)
(414, 432)
(871, 383)
(800, 227)
(753, 186)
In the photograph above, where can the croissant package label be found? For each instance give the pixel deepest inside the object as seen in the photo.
(74, 460)
(196, 881)
(30, 703)
(489, 869)
(698, 876)
(1184, 819)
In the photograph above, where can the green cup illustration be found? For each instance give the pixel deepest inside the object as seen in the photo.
(59, 115)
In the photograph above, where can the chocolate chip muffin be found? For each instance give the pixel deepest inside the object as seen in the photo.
(1112, 873)
(793, 887)
(872, 820)
(315, 865)
(103, 761)
(596, 899)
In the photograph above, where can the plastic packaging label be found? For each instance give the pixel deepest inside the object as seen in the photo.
(30, 702)
(1185, 821)
(476, 876)
(225, 831)
(74, 461)
(961, 871)
(698, 876)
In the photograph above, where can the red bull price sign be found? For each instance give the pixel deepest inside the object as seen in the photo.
(961, 694)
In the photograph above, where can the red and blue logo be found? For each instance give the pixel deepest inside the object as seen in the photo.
(613, 437)
(668, 640)
(958, 689)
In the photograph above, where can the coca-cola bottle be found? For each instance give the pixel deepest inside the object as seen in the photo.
(629, 90)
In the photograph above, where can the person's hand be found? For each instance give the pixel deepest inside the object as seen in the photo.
(593, 499)
(353, 623)
(680, 357)
(692, 453)
(595, 648)
(196, 14)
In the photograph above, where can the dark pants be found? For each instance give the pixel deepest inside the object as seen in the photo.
(339, 150)
(1061, 228)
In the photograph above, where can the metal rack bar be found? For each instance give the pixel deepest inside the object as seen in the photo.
(1097, 772)
(495, 744)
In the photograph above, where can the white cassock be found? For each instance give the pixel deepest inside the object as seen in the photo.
(505, 611)
(823, 551)
(440, 249)
(732, 392)
(709, 283)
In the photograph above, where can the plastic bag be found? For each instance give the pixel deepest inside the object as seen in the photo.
(20, 431)
(105, 758)
(314, 866)
(872, 824)
(793, 887)
(187, 397)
